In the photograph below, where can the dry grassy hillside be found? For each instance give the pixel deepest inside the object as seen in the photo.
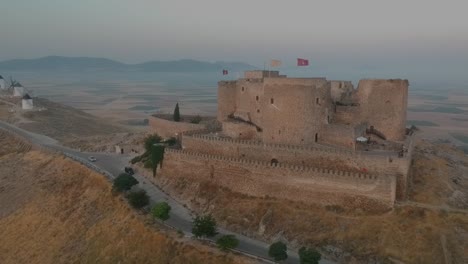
(63, 122)
(53, 210)
(428, 233)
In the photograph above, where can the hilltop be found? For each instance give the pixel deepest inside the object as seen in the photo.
(83, 64)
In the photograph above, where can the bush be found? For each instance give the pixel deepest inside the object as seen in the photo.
(150, 140)
(204, 226)
(227, 242)
(124, 182)
(161, 211)
(138, 199)
(309, 256)
(277, 251)
(136, 159)
(196, 120)
(171, 141)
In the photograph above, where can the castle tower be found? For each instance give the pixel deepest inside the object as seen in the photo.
(2, 83)
(383, 105)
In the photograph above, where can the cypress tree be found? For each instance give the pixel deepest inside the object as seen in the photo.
(176, 113)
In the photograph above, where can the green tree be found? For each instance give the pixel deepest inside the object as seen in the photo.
(196, 119)
(150, 140)
(124, 182)
(227, 242)
(138, 199)
(176, 113)
(277, 251)
(161, 211)
(157, 156)
(204, 226)
(309, 256)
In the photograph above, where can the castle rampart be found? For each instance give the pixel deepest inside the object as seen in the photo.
(292, 182)
(385, 162)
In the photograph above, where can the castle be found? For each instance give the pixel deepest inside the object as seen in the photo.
(303, 139)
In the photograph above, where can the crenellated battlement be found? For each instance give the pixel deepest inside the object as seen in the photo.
(319, 172)
(307, 148)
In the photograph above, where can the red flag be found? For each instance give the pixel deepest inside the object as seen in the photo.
(302, 62)
(225, 72)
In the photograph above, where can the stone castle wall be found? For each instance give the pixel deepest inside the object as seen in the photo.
(316, 156)
(166, 128)
(291, 182)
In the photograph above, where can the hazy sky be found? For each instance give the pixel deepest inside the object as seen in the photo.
(367, 32)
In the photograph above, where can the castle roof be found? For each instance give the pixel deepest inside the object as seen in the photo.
(26, 97)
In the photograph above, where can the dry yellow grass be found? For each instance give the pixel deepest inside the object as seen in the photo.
(408, 234)
(53, 210)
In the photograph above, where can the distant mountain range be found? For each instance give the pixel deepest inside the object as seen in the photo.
(58, 63)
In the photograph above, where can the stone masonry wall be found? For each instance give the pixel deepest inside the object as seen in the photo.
(166, 128)
(296, 183)
(383, 104)
(382, 162)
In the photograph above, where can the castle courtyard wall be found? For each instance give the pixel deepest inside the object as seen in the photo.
(296, 183)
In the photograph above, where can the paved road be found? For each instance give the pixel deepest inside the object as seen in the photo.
(181, 217)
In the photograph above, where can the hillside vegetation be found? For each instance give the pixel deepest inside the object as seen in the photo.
(54, 210)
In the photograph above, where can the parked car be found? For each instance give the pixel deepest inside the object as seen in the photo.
(92, 159)
(129, 170)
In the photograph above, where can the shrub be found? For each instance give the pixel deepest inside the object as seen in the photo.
(161, 211)
(138, 199)
(277, 251)
(196, 120)
(204, 226)
(150, 140)
(171, 141)
(309, 256)
(124, 182)
(180, 232)
(227, 242)
(136, 159)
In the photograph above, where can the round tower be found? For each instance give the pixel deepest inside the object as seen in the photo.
(18, 90)
(2, 83)
(27, 102)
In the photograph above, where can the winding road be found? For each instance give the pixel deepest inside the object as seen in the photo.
(112, 165)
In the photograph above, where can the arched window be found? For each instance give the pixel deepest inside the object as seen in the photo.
(274, 162)
(316, 137)
(272, 101)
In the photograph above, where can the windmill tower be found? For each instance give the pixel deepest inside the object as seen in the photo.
(27, 102)
(18, 89)
(2, 83)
